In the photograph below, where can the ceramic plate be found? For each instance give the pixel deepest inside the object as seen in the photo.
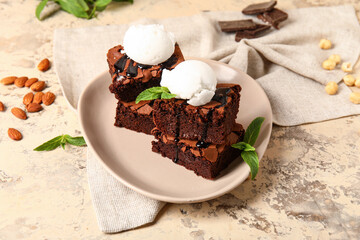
(128, 157)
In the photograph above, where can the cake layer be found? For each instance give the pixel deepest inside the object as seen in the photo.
(207, 162)
(129, 78)
(209, 123)
(137, 117)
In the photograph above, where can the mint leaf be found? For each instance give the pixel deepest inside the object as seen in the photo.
(51, 144)
(154, 93)
(243, 146)
(252, 131)
(101, 4)
(75, 7)
(130, 1)
(77, 141)
(39, 8)
(251, 158)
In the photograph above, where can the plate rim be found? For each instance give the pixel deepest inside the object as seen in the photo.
(154, 195)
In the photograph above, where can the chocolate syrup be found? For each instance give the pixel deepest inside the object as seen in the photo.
(177, 132)
(143, 66)
(170, 62)
(132, 70)
(221, 96)
(121, 63)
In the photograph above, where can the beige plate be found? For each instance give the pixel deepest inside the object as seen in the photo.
(128, 157)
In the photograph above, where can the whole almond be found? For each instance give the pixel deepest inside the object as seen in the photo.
(8, 80)
(20, 82)
(38, 97)
(30, 82)
(33, 107)
(48, 98)
(2, 107)
(19, 113)
(38, 86)
(14, 134)
(44, 65)
(28, 98)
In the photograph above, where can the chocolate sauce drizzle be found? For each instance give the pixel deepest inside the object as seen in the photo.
(121, 63)
(177, 132)
(221, 97)
(132, 70)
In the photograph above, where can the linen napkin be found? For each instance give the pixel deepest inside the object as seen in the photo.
(285, 62)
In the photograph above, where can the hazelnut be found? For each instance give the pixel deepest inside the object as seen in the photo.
(331, 88)
(325, 44)
(346, 67)
(355, 97)
(335, 57)
(328, 64)
(349, 80)
(357, 82)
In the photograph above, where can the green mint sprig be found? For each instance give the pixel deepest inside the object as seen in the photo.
(248, 152)
(154, 93)
(79, 8)
(61, 141)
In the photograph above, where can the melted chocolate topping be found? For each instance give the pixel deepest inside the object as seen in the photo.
(121, 63)
(170, 62)
(132, 70)
(221, 96)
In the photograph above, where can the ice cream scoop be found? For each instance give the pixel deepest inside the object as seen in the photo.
(193, 80)
(148, 44)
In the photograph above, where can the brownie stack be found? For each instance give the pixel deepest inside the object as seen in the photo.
(129, 79)
(198, 138)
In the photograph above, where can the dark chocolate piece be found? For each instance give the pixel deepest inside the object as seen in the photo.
(259, 8)
(260, 28)
(238, 25)
(273, 17)
(207, 161)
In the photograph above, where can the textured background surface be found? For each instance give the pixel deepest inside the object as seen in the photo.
(307, 187)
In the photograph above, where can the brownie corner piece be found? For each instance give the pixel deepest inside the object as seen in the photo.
(136, 117)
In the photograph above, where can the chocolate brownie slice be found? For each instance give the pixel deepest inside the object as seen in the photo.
(206, 162)
(137, 117)
(209, 123)
(130, 78)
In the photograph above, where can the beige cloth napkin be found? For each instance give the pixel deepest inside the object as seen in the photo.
(285, 62)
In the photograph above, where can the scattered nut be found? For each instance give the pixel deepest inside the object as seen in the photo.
(357, 82)
(28, 98)
(355, 97)
(328, 64)
(19, 113)
(331, 88)
(335, 57)
(346, 67)
(14, 134)
(8, 80)
(38, 86)
(33, 107)
(30, 82)
(349, 80)
(325, 44)
(44, 65)
(38, 97)
(2, 107)
(20, 82)
(48, 98)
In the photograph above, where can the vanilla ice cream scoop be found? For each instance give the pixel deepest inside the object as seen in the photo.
(193, 80)
(149, 44)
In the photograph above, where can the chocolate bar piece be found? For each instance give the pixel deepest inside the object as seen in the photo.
(273, 17)
(259, 8)
(251, 33)
(237, 25)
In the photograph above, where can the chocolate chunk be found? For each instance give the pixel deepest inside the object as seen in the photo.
(259, 8)
(273, 17)
(237, 25)
(251, 33)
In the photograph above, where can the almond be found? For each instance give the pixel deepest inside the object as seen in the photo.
(38, 86)
(20, 82)
(14, 134)
(8, 80)
(48, 98)
(2, 107)
(38, 97)
(33, 107)
(44, 65)
(19, 113)
(28, 98)
(30, 82)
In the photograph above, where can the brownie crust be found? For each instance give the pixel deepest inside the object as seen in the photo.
(136, 117)
(209, 123)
